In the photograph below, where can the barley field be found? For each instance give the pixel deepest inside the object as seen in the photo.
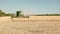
(9, 26)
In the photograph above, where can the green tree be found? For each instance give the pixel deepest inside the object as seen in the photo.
(2, 13)
(9, 14)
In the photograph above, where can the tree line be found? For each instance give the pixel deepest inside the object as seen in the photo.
(47, 15)
(18, 13)
(4, 14)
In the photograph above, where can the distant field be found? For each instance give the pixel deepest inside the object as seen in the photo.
(7, 26)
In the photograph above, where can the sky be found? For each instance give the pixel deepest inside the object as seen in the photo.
(31, 6)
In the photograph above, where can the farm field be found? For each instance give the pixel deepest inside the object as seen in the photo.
(9, 26)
